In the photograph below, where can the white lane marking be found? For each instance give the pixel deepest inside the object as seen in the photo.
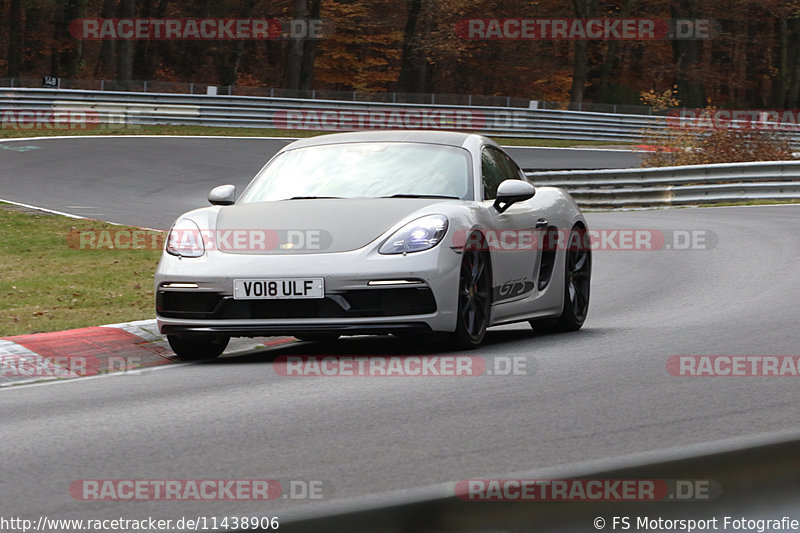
(51, 211)
(71, 215)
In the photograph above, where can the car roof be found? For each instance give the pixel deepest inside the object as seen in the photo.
(448, 138)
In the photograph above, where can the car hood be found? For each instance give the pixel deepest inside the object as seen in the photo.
(312, 225)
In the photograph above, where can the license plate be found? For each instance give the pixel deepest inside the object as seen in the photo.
(278, 288)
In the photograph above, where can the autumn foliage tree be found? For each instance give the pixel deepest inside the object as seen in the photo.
(750, 60)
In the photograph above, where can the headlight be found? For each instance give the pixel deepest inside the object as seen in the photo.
(185, 239)
(417, 235)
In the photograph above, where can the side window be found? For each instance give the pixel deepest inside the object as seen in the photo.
(495, 168)
(513, 169)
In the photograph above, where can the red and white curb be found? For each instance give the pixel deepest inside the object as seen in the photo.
(95, 350)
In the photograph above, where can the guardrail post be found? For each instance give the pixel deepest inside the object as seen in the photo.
(144, 85)
(102, 85)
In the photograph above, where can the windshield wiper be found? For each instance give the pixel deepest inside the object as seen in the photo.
(311, 197)
(422, 196)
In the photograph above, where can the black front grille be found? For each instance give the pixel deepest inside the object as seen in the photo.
(358, 303)
(186, 304)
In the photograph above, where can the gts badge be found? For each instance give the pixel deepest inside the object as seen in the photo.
(511, 289)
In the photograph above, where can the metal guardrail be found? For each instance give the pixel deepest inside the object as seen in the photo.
(603, 188)
(132, 109)
(683, 185)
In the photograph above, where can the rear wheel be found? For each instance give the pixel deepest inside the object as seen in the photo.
(577, 277)
(474, 300)
(317, 337)
(195, 347)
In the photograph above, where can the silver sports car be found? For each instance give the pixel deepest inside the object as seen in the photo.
(392, 232)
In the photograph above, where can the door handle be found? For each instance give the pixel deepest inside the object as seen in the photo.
(541, 223)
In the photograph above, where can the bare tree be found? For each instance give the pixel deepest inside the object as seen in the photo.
(300, 60)
(127, 9)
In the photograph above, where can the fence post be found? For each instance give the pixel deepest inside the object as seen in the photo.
(145, 86)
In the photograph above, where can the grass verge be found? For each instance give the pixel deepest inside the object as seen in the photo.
(48, 285)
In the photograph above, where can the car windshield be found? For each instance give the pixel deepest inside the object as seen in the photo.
(364, 170)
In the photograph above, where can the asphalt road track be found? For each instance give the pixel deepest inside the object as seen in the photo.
(150, 181)
(603, 392)
(600, 393)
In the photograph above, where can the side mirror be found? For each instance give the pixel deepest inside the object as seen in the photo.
(512, 191)
(222, 195)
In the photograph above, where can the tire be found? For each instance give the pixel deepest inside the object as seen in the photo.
(317, 337)
(474, 300)
(198, 346)
(577, 282)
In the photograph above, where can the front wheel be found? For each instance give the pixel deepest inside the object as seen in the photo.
(474, 301)
(197, 346)
(577, 278)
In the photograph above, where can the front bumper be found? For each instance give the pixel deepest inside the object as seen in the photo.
(195, 295)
